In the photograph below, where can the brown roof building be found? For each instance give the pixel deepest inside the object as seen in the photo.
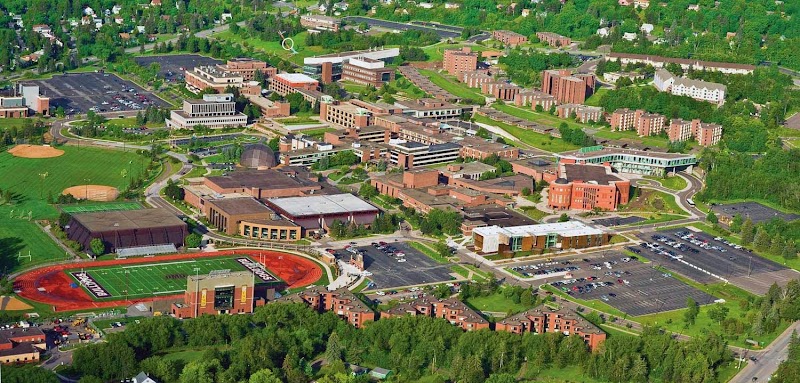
(452, 310)
(509, 37)
(21, 345)
(554, 39)
(543, 320)
(128, 228)
(342, 302)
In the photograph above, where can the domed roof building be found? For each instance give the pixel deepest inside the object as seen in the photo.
(258, 156)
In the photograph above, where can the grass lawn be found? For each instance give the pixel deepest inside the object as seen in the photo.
(319, 132)
(543, 118)
(450, 84)
(673, 320)
(533, 212)
(497, 303)
(460, 270)
(655, 201)
(630, 135)
(568, 374)
(595, 98)
(537, 140)
(352, 87)
(22, 178)
(672, 183)
(274, 47)
(424, 249)
(297, 121)
(129, 122)
(6, 123)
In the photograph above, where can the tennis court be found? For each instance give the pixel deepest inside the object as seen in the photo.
(98, 207)
(157, 279)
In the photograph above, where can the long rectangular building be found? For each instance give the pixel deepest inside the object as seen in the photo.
(629, 160)
(686, 64)
(559, 236)
(319, 211)
(214, 111)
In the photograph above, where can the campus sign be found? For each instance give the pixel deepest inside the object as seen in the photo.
(90, 284)
(256, 268)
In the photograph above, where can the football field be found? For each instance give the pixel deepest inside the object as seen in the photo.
(157, 279)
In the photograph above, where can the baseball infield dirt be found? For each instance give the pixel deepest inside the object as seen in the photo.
(13, 304)
(35, 151)
(100, 193)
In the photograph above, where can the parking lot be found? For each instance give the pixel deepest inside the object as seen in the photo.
(388, 271)
(707, 259)
(632, 287)
(755, 211)
(173, 66)
(101, 92)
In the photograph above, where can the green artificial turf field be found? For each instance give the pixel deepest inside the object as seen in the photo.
(98, 207)
(156, 279)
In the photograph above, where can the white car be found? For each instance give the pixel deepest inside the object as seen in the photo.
(381, 293)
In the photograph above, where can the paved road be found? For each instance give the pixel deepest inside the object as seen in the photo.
(444, 34)
(767, 361)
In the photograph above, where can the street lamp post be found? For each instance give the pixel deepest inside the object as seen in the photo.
(196, 290)
(86, 185)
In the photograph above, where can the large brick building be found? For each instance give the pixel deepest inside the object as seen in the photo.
(452, 310)
(367, 71)
(238, 73)
(587, 187)
(582, 113)
(555, 236)
(645, 124)
(534, 98)
(342, 302)
(458, 61)
(227, 292)
(567, 87)
(320, 211)
(543, 320)
(320, 22)
(127, 228)
(704, 134)
(215, 111)
(554, 39)
(509, 37)
(286, 83)
(21, 345)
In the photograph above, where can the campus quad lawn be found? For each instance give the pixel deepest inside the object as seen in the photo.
(544, 118)
(22, 177)
(631, 136)
(274, 47)
(672, 183)
(155, 279)
(537, 140)
(451, 85)
(497, 303)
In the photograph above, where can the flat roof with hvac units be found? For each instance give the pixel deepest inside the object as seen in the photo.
(322, 205)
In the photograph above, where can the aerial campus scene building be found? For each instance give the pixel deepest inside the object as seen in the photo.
(399, 191)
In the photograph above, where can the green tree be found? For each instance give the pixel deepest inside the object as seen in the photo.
(193, 240)
(718, 313)
(334, 349)
(711, 217)
(97, 246)
(736, 223)
(789, 250)
(264, 376)
(367, 190)
(748, 232)
(526, 191)
(762, 240)
(563, 217)
(692, 309)
(90, 379)
(777, 245)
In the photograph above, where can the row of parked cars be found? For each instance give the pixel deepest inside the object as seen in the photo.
(542, 269)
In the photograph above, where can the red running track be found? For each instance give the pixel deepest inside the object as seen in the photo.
(296, 271)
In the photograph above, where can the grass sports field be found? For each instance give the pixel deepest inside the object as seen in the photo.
(154, 279)
(31, 181)
(98, 207)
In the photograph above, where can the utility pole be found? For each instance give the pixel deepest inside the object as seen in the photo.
(196, 290)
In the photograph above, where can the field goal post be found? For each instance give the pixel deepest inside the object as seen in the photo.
(29, 256)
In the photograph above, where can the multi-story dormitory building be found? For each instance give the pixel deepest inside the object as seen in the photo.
(537, 320)
(648, 124)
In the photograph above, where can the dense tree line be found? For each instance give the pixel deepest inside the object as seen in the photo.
(789, 369)
(343, 158)
(383, 224)
(772, 177)
(348, 39)
(436, 222)
(285, 338)
(525, 67)
(31, 132)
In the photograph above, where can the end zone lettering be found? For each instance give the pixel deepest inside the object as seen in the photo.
(87, 281)
(256, 268)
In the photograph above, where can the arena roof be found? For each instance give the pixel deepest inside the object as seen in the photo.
(322, 205)
(128, 219)
(564, 229)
